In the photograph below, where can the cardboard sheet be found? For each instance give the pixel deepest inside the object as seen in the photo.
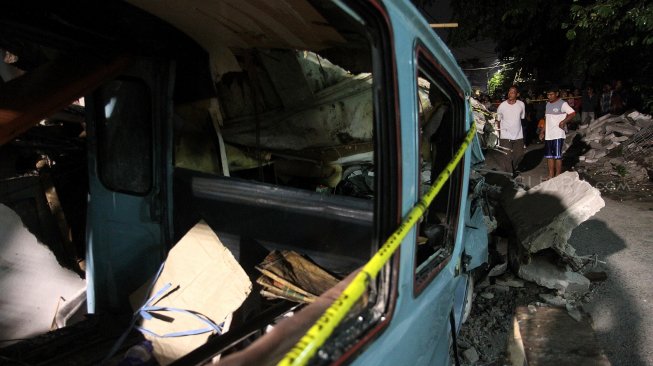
(205, 278)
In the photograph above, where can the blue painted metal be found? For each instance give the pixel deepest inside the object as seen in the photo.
(128, 234)
(420, 324)
(419, 333)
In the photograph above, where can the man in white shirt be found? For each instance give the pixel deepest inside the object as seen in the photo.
(558, 114)
(511, 136)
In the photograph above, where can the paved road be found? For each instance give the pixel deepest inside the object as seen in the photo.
(622, 307)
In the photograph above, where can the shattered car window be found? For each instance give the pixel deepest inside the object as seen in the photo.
(125, 138)
(440, 127)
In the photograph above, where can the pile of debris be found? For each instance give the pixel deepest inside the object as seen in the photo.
(486, 125)
(617, 154)
(535, 264)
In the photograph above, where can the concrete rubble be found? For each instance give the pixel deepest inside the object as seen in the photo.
(543, 219)
(545, 215)
(35, 288)
(617, 155)
(471, 355)
(533, 263)
(544, 272)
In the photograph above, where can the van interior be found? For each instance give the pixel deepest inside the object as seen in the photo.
(277, 120)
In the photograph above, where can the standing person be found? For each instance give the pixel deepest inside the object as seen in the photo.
(590, 102)
(619, 99)
(578, 106)
(558, 113)
(529, 124)
(511, 135)
(606, 98)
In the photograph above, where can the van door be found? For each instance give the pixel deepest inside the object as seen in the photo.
(128, 222)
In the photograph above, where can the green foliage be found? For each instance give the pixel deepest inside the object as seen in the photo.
(593, 41)
(630, 22)
(525, 30)
(496, 82)
(621, 170)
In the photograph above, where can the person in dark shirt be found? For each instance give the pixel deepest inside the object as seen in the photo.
(606, 98)
(590, 103)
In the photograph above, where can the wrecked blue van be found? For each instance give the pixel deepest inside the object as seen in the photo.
(340, 130)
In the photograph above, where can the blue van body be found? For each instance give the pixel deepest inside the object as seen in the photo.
(182, 59)
(419, 326)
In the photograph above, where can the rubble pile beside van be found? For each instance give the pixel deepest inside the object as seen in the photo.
(617, 154)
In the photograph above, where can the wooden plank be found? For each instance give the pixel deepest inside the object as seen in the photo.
(549, 336)
(28, 99)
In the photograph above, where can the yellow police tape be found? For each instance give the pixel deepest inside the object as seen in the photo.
(322, 329)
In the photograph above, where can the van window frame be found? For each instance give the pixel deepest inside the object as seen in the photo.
(387, 159)
(428, 65)
(146, 153)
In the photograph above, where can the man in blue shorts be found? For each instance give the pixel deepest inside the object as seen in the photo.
(557, 114)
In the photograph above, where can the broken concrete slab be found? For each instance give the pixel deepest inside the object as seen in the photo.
(510, 282)
(573, 312)
(470, 355)
(544, 216)
(644, 123)
(595, 145)
(543, 272)
(553, 300)
(549, 337)
(636, 116)
(598, 124)
(498, 270)
(487, 295)
(622, 128)
(599, 153)
(617, 161)
(612, 145)
(33, 284)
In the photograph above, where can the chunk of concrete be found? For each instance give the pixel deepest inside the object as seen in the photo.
(622, 128)
(617, 161)
(602, 122)
(596, 145)
(33, 284)
(498, 270)
(635, 115)
(599, 153)
(543, 272)
(574, 313)
(612, 145)
(644, 123)
(544, 216)
(470, 355)
(553, 300)
(509, 281)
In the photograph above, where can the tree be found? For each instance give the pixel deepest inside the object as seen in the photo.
(614, 37)
(586, 41)
(521, 30)
(496, 83)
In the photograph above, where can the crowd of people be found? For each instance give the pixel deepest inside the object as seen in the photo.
(588, 104)
(546, 117)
